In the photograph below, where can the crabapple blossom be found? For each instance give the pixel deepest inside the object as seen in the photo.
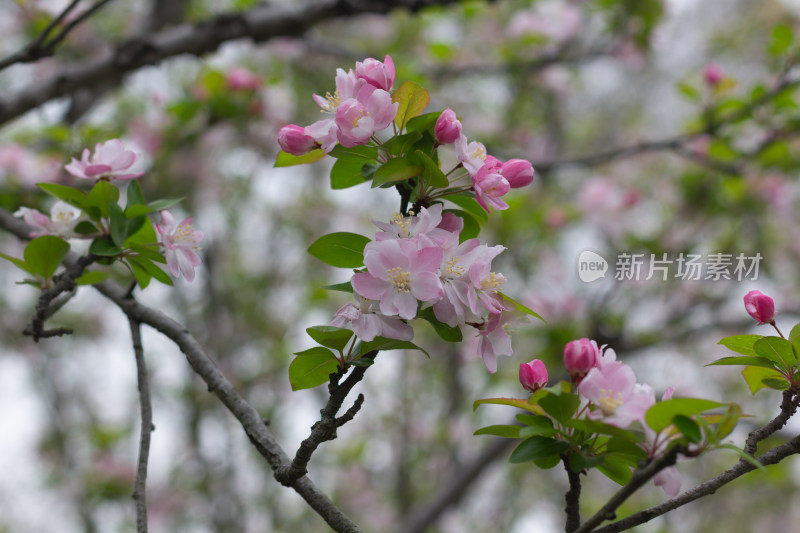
(423, 226)
(294, 140)
(533, 375)
(485, 284)
(379, 75)
(359, 118)
(760, 306)
(518, 172)
(489, 187)
(447, 128)
(368, 324)
(580, 356)
(242, 79)
(398, 274)
(454, 308)
(471, 154)
(494, 339)
(180, 243)
(109, 161)
(668, 479)
(61, 222)
(613, 390)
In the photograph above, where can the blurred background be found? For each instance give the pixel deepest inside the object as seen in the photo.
(656, 127)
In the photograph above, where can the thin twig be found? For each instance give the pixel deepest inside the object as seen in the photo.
(139, 492)
(572, 498)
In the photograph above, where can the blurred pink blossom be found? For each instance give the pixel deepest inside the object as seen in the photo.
(242, 79)
(181, 243)
(109, 161)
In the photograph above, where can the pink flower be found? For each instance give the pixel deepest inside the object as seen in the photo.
(347, 86)
(368, 324)
(61, 222)
(448, 128)
(533, 375)
(324, 132)
(423, 227)
(454, 307)
(359, 118)
(242, 79)
(489, 186)
(580, 356)
(398, 274)
(494, 339)
(379, 75)
(669, 479)
(518, 172)
(109, 161)
(294, 140)
(760, 306)
(471, 154)
(482, 291)
(181, 245)
(713, 74)
(616, 396)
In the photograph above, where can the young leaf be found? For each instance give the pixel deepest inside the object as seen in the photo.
(92, 277)
(288, 160)
(742, 344)
(522, 308)
(470, 205)
(413, 99)
(69, 195)
(688, 428)
(348, 172)
(397, 170)
(340, 249)
(546, 463)
(343, 287)
(431, 173)
(522, 403)
(560, 406)
(140, 274)
(101, 195)
(536, 425)
(135, 196)
(383, 344)
(579, 462)
(755, 376)
(753, 361)
(662, 414)
(330, 336)
(776, 349)
(537, 447)
(615, 469)
(401, 144)
(795, 333)
(166, 203)
(152, 269)
(103, 246)
(312, 368)
(19, 262)
(44, 254)
(423, 122)
(447, 333)
(509, 432)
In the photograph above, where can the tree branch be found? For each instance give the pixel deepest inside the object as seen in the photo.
(572, 498)
(146, 411)
(258, 24)
(775, 455)
(41, 46)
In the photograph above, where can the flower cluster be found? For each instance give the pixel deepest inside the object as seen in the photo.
(109, 162)
(417, 262)
(360, 106)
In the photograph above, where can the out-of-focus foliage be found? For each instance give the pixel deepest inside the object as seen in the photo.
(712, 168)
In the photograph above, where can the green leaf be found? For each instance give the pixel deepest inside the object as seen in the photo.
(776, 349)
(101, 195)
(368, 153)
(69, 195)
(348, 170)
(781, 41)
(397, 170)
(536, 425)
(546, 463)
(103, 246)
(423, 122)
(746, 361)
(537, 447)
(383, 344)
(691, 93)
(92, 277)
(780, 384)
(140, 274)
(661, 414)
(330, 336)
(119, 224)
(84, 227)
(447, 333)
(507, 431)
(312, 367)
(742, 344)
(134, 195)
(340, 249)
(519, 307)
(401, 144)
(431, 173)
(289, 160)
(166, 203)
(19, 262)
(343, 287)
(152, 269)
(744, 455)
(579, 462)
(615, 469)
(601, 428)
(626, 449)
(136, 210)
(44, 254)
(560, 406)
(795, 333)
(470, 205)
(413, 99)
(755, 376)
(728, 421)
(522, 403)
(688, 428)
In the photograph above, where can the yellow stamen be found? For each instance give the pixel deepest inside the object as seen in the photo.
(400, 279)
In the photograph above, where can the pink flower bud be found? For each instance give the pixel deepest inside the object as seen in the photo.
(294, 140)
(713, 74)
(533, 375)
(241, 79)
(760, 306)
(518, 172)
(447, 128)
(377, 74)
(580, 356)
